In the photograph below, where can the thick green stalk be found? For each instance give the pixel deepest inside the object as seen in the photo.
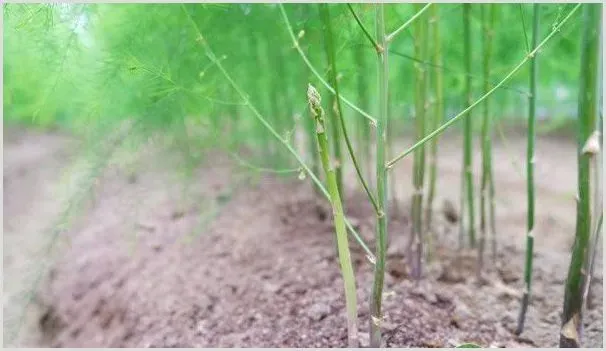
(420, 74)
(349, 281)
(381, 179)
(530, 173)
(467, 191)
(572, 319)
(337, 109)
(437, 115)
(333, 112)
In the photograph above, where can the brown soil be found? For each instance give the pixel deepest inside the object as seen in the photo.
(230, 259)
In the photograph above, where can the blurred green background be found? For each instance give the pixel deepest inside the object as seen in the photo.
(84, 66)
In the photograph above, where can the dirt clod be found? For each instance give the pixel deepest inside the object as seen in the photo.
(318, 311)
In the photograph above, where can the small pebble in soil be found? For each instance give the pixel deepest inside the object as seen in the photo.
(177, 214)
(318, 311)
(397, 269)
(508, 275)
(132, 178)
(450, 211)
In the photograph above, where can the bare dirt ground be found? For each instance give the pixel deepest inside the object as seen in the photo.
(227, 258)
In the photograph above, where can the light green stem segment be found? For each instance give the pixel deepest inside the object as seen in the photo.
(333, 110)
(572, 317)
(488, 12)
(530, 175)
(420, 75)
(437, 116)
(313, 98)
(381, 178)
(467, 191)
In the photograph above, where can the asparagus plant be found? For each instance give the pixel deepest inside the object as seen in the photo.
(530, 174)
(420, 74)
(381, 180)
(333, 112)
(572, 317)
(437, 116)
(486, 182)
(467, 189)
(338, 111)
(313, 97)
(309, 122)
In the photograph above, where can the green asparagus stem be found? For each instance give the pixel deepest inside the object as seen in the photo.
(381, 178)
(530, 175)
(419, 155)
(467, 191)
(572, 317)
(349, 281)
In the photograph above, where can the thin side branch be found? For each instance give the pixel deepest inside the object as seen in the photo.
(445, 69)
(391, 36)
(372, 40)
